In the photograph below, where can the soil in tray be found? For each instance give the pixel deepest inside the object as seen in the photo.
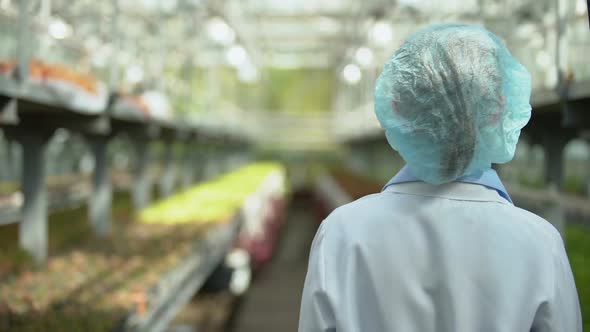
(53, 182)
(207, 312)
(88, 284)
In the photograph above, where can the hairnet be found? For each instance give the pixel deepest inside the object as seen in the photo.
(452, 101)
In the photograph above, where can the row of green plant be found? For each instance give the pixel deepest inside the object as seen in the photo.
(210, 201)
(571, 184)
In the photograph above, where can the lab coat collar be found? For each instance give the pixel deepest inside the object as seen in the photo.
(488, 179)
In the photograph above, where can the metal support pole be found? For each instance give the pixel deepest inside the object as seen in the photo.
(213, 158)
(4, 166)
(520, 161)
(189, 167)
(23, 40)
(10, 163)
(198, 165)
(209, 162)
(235, 157)
(219, 160)
(116, 39)
(32, 233)
(564, 75)
(142, 186)
(361, 158)
(245, 155)
(167, 179)
(224, 162)
(554, 147)
(211, 83)
(530, 173)
(226, 158)
(44, 17)
(162, 53)
(561, 46)
(102, 197)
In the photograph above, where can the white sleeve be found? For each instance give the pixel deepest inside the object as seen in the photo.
(316, 314)
(562, 312)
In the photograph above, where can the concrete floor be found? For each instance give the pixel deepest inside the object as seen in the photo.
(272, 303)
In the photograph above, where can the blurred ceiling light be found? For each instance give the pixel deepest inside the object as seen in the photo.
(101, 56)
(328, 25)
(536, 40)
(543, 59)
(92, 43)
(381, 33)
(287, 60)
(168, 6)
(351, 74)
(409, 2)
(175, 58)
(491, 8)
(149, 4)
(5, 4)
(149, 7)
(248, 73)
(159, 103)
(549, 18)
(364, 56)
(236, 55)
(551, 77)
(525, 30)
(59, 29)
(220, 32)
(581, 7)
(124, 58)
(134, 74)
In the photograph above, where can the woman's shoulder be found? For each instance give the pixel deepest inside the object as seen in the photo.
(356, 215)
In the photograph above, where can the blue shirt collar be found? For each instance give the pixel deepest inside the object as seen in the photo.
(488, 178)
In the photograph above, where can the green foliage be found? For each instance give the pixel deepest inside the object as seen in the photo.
(212, 201)
(577, 240)
(8, 187)
(571, 184)
(283, 90)
(536, 183)
(299, 90)
(574, 185)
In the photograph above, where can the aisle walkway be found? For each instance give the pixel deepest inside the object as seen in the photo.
(272, 303)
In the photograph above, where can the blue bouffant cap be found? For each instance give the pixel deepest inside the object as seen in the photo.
(452, 100)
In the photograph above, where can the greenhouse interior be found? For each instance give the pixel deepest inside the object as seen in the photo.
(165, 165)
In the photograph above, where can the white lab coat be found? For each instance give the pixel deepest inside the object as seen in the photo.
(450, 258)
